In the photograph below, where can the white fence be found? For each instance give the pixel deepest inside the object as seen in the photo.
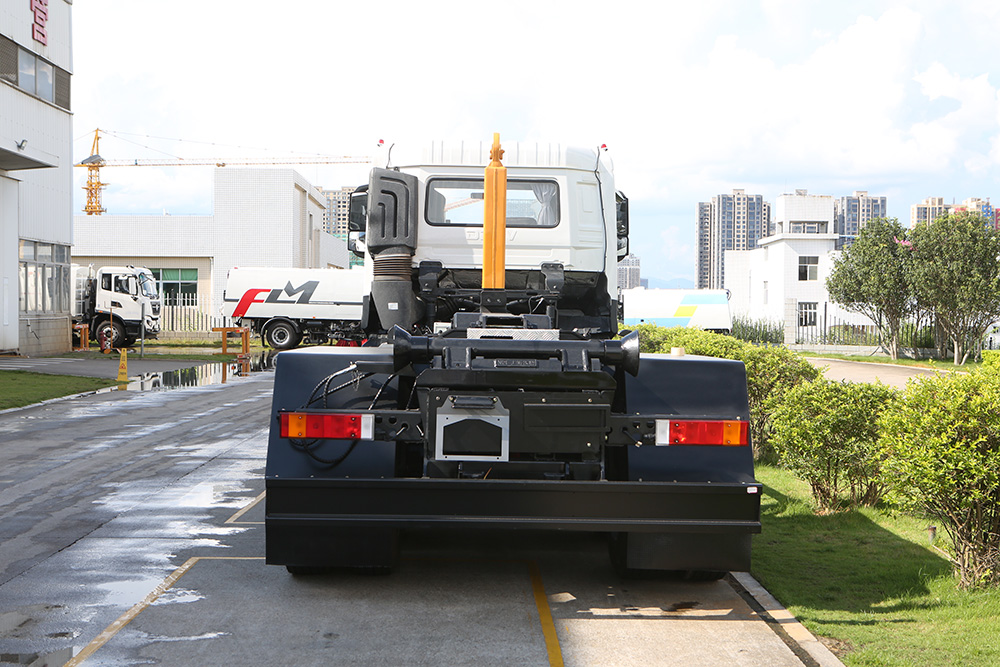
(184, 315)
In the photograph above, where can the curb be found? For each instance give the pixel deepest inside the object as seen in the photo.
(795, 631)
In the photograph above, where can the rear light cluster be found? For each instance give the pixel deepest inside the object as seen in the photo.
(313, 425)
(361, 426)
(728, 433)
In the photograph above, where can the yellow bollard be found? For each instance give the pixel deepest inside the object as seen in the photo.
(123, 366)
(494, 219)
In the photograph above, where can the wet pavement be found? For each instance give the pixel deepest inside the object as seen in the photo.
(107, 366)
(132, 534)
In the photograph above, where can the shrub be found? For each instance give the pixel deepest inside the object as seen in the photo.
(942, 448)
(991, 360)
(827, 433)
(758, 331)
(770, 370)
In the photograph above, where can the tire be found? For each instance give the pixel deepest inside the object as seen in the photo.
(282, 335)
(116, 329)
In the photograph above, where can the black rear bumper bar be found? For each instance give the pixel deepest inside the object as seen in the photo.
(656, 507)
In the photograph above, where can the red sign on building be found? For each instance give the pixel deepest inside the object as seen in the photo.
(40, 9)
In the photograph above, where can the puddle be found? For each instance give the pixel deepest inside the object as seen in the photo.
(203, 375)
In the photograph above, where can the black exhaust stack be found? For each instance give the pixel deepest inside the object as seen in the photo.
(391, 238)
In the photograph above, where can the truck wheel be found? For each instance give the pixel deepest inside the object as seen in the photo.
(282, 335)
(114, 330)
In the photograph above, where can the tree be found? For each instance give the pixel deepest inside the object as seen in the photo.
(955, 273)
(870, 278)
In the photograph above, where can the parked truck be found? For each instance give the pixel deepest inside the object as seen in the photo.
(117, 303)
(706, 309)
(493, 391)
(288, 306)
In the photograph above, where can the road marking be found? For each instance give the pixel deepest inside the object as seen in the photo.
(19, 364)
(126, 618)
(552, 647)
(236, 517)
(545, 616)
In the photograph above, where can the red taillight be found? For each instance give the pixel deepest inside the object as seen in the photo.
(312, 425)
(728, 433)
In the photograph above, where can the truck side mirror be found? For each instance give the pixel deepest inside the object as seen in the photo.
(621, 224)
(357, 215)
(356, 243)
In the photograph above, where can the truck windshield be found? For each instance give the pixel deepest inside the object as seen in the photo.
(147, 285)
(460, 202)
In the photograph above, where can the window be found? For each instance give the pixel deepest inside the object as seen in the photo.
(808, 268)
(807, 314)
(33, 74)
(765, 292)
(43, 277)
(179, 287)
(460, 202)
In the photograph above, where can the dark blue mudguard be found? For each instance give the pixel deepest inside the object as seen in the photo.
(669, 508)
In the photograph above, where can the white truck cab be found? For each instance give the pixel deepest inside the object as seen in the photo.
(118, 301)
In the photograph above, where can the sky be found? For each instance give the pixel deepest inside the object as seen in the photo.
(693, 99)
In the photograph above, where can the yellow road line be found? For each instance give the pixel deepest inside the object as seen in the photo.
(126, 618)
(552, 647)
(545, 616)
(236, 517)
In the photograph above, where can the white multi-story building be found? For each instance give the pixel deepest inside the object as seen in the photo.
(803, 213)
(338, 204)
(852, 213)
(928, 211)
(784, 280)
(262, 217)
(36, 163)
(729, 222)
(629, 271)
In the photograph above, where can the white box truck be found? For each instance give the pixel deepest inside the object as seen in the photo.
(286, 306)
(706, 309)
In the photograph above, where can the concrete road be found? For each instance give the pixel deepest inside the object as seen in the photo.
(132, 534)
(858, 371)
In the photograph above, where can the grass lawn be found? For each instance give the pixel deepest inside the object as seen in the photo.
(19, 388)
(869, 581)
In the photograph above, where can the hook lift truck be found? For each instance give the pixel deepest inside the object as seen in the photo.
(493, 393)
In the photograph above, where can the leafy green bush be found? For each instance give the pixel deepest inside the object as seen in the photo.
(827, 433)
(991, 360)
(771, 370)
(942, 448)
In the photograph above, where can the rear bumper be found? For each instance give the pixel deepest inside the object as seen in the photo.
(656, 507)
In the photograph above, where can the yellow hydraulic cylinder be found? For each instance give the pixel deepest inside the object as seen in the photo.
(494, 219)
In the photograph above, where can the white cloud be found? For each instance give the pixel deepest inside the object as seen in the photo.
(768, 96)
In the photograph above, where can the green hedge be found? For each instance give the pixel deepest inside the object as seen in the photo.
(827, 433)
(942, 447)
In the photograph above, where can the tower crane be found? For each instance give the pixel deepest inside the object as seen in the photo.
(94, 186)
